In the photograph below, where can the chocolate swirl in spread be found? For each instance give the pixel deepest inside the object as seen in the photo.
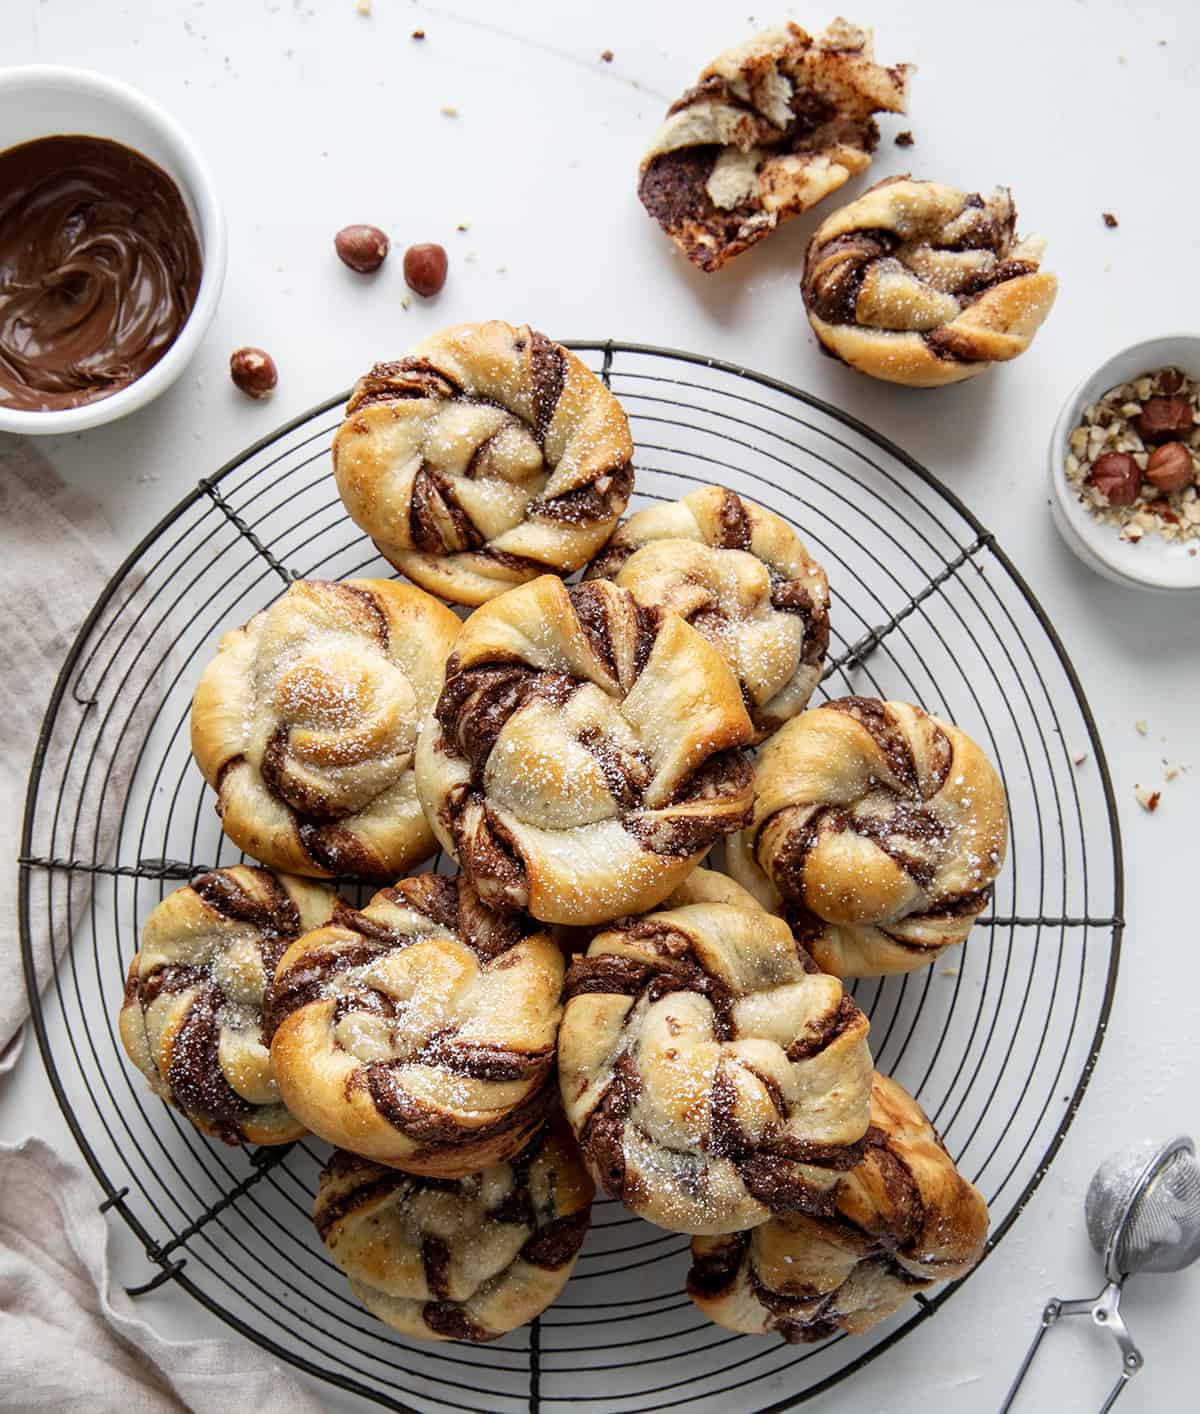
(99, 270)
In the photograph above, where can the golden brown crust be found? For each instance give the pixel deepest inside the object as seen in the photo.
(712, 1075)
(923, 284)
(419, 1031)
(741, 576)
(192, 1016)
(877, 831)
(771, 128)
(458, 1260)
(903, 1219)
(305, 723)
(487, 456)
(583, 756)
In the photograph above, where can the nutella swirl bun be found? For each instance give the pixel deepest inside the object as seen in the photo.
(877, 831)
(771, 128)
(583, 756)
(458, 1259)
(486, 457)
(192, 1019)
(712, 1076)
(740, 576)
(920, 283)
(305, 723)
(420, 1031)
(903, 1219)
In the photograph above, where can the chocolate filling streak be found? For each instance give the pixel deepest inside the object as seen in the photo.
(484, 847)
(548, 375)
(452, 1322)
(434, 1129)
(309, 979)
(479, 1061)
(834, 272)
(273, 914)
(401, 378)
(437, 523)
(194, 1072)
(673, 189)
(366, 1194)
(620, 975)
(435, 1262)
(733, 522)
(554, 1245)
(626, 773)
(475, 705)
(715, 1270)
(336, 850)
(726, 774)
(600, 499)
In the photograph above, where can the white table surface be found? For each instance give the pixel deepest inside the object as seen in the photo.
(312, 117)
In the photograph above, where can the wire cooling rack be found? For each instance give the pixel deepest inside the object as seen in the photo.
(997, 1039)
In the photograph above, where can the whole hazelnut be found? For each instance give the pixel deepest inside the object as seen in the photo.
(253, 371)
(362, 248)
(1170, 467)
(1170, 380)
(1163, 419)
(1115, 476)
(425, 268)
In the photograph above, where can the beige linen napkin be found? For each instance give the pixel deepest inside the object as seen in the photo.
(56, 554)
(71, 1339)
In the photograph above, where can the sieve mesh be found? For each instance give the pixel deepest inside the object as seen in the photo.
(1162, 1232)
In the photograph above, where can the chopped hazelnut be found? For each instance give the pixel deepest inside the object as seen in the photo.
(1148, 799)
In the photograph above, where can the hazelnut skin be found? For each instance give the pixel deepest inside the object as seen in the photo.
(1170, 467)
(253, 371)
(1165, 419)
(362, 248)
(1116, 477)
(425, 269)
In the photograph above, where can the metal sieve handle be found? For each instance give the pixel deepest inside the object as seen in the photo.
(1105, 1311)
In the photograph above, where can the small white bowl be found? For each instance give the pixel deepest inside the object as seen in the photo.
(1152, 563)
(45, 100)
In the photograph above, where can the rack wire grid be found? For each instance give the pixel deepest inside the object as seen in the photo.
(997, 1039)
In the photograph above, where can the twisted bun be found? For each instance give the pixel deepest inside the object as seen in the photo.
(712, 1076)
(920, 283)
(462, 1259)
(903, 1219)
(306, 720)
(741, 577)
(420, 1031)
(486, 457)
(877, 830)
(583, 756)
(192, 1018)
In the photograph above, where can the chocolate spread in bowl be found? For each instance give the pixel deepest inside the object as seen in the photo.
(99, 269)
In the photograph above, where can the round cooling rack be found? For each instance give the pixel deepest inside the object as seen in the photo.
(997, 1039)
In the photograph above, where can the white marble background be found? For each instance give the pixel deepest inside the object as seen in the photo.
(312, 116)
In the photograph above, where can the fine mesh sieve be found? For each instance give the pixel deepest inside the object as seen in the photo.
(1143, 1215)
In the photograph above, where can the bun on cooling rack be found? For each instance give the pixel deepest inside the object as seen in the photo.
(305, 723)
(712, 1076)
(192, 1016)
(487, 456)
(919, 283)
(771, 128)
(420, 1031)
(876, 830)
(741, 576)
(461, 1259)
(583, 756)
(903, 1219)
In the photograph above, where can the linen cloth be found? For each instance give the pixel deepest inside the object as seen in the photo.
(71, 1340)
(56, 553)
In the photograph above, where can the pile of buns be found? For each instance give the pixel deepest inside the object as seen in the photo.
(582, 1002)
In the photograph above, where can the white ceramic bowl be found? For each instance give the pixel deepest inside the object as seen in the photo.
(1152, 563)
(43, 100)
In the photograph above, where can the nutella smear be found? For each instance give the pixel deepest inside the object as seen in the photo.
(99, 269)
